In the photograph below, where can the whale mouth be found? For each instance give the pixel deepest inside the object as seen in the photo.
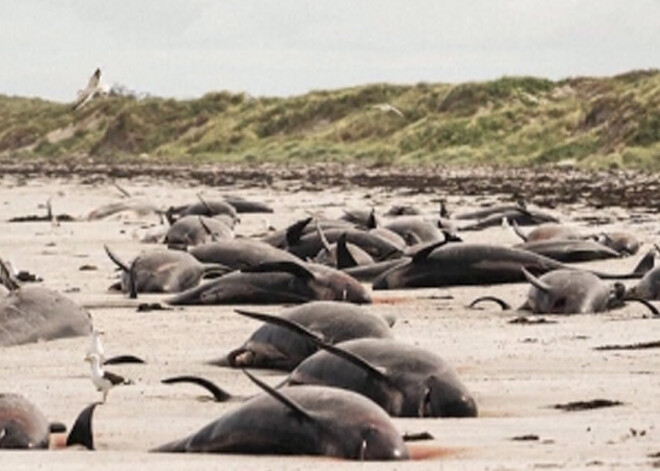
(379, 283)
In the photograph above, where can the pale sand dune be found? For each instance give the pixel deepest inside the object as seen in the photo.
(517, 372)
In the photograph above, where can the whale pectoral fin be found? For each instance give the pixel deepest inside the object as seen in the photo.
(503, 304)
(281, 322)
(218, 394)
(282, 398)
(115, 258)
(654, 310)
(546, 288)
(123, 359)
(205, 204)
(324, 240)
(519, 232)
(208, 230)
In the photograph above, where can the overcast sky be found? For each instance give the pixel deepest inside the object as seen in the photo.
(185, 48)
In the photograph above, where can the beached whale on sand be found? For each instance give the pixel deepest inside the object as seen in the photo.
(570, 250)
(273, 346)
(196, 230)
(162, 271)
(478, 264)
(301, 420)
(202, 207)
(405, 380)
(240, 253)
(567, 291)
(33, 313)
(278, 282)
(23, 425)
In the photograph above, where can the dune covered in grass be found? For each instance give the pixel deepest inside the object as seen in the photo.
(591, 122)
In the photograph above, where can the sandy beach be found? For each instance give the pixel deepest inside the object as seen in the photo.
(517, 372)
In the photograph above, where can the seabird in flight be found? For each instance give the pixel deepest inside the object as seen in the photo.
(93, 88)
(387, 108)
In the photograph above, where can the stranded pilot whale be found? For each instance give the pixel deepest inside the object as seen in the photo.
(274, 346)
(301, 420)
(478, 264)
(162, 271)
(566, 291)
(33, 313)
(278, 282)
(405, 380)
(23, 425)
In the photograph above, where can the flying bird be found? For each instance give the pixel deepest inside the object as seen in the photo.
(103, 380)
(387, 108)
(93, 88)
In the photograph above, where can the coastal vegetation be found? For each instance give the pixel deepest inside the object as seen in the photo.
(610, 122)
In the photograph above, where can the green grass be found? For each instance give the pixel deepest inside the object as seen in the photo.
(593, 122)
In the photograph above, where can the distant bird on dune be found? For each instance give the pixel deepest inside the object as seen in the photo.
(387, 108)
(93, 88)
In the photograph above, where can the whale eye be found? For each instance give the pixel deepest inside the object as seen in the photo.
(559, 305)
(425, 405)
(363, 449)
(366, 434)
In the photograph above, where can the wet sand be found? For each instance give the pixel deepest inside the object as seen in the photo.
(517, 372)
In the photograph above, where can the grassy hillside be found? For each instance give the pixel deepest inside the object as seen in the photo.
(612, 121)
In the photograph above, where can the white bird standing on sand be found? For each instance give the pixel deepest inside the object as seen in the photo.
(386, 107)
(103, 380)
(95, 345)
(93, 88)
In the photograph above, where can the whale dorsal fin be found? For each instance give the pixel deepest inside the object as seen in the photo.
(423, 253)
(294, 231)
(81, 432)
(444, 213)
(372, 223)
(345, 258)
(646, 263)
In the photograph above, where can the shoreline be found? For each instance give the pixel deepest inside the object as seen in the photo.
(543, 186)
